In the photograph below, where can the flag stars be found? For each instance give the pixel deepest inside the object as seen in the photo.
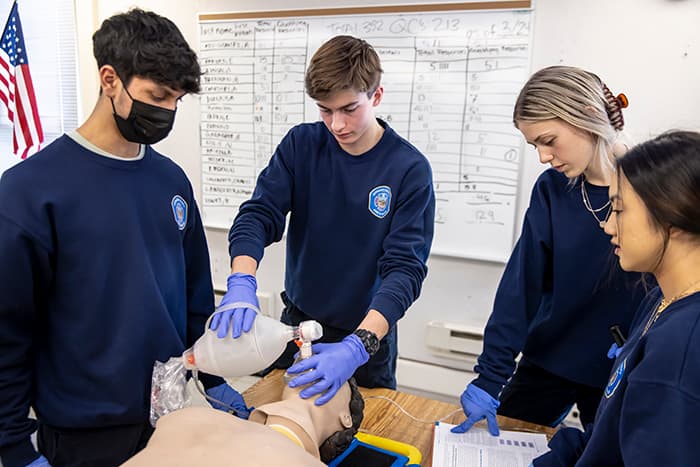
(27, 134)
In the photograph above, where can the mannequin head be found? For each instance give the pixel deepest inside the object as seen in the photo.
(205, 436)
(323, 431)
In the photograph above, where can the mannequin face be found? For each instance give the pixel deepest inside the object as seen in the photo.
(312, 424)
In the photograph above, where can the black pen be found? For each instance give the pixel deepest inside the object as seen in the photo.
(617, 335)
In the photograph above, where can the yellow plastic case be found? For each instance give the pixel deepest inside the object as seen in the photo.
(412, 452)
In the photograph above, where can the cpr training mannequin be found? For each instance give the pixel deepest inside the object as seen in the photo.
(292, 431)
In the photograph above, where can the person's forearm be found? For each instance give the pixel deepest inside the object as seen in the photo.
(375, 322)
(244, 264)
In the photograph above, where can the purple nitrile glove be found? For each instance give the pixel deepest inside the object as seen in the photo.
(40, 461)
(238, 308)
(231, 397)
(332, 365)
(614, 351)
(478, 404)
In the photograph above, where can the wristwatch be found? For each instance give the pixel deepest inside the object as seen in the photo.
(369, 340)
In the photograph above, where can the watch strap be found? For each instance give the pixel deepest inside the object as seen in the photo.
(369, 340)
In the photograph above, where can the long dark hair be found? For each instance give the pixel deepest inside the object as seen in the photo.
(665, 174)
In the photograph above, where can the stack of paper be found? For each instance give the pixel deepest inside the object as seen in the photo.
(477, 448)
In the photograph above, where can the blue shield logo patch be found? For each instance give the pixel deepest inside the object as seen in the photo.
(380, 201)
(179, 211)
(615, 379)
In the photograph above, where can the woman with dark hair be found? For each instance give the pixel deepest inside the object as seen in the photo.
(650, 411)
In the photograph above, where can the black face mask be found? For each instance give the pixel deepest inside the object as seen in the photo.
(146, 123)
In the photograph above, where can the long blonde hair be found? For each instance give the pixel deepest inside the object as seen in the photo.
(579, 98)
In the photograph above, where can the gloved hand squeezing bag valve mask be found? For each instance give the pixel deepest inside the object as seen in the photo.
(225, 357)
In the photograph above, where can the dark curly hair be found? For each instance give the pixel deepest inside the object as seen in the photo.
(340, 440)
(144, 44)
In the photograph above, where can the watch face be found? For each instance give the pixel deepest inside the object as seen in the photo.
(369, 340)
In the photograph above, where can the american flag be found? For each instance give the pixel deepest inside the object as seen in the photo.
(16, 89)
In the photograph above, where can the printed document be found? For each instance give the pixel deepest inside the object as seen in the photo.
(477, 448)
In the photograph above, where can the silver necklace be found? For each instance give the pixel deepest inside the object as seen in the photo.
(594, 212)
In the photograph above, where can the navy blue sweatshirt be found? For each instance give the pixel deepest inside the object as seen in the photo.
(104, 270)
(650, 411)
(360, 228)
(560, 292)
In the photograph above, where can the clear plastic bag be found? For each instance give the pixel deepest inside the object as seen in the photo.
(168, 388)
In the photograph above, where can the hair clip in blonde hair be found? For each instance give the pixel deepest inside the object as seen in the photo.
(623, 101)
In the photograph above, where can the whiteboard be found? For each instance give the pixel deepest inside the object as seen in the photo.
(450, 79)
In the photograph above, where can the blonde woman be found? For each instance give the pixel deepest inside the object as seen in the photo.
(558, 296)
(650, 410)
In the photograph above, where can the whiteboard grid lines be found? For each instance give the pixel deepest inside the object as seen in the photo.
(450, 79)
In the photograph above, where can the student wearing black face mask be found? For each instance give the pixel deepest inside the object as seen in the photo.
(103, 261)
(146, 123)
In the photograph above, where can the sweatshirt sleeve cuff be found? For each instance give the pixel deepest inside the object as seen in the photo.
(19, 454)
(247, 248)
(492, 387)
(390, 309)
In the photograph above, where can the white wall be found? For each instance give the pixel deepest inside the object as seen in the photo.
(649, 49)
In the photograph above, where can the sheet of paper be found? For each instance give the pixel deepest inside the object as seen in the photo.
(477, 448)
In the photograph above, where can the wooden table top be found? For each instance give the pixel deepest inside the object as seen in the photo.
(382, 418)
